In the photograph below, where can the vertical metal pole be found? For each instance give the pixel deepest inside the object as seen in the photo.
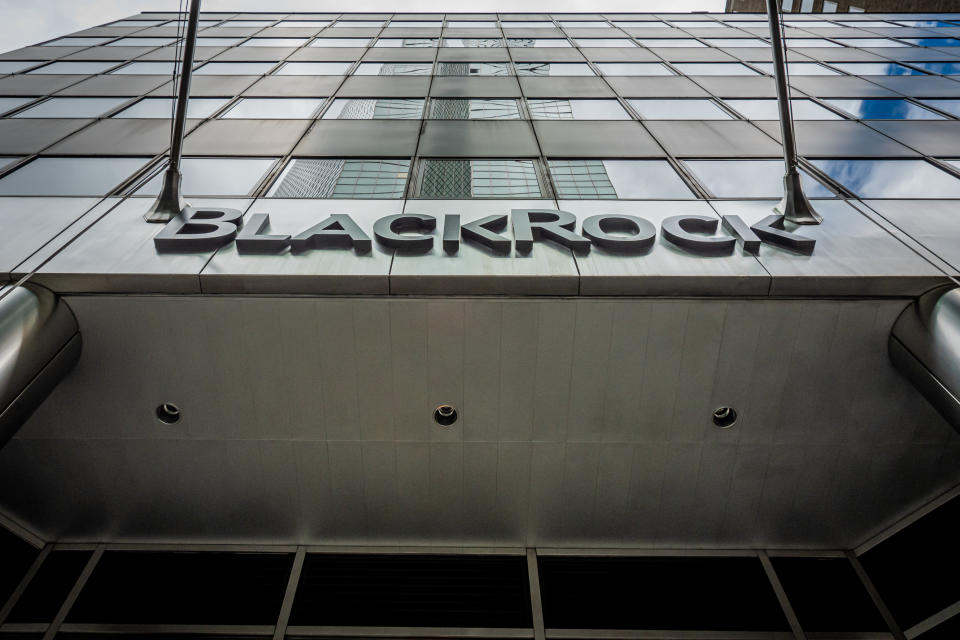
(170, 201)
(794, 207)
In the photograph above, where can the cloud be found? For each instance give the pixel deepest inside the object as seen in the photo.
(27, 22)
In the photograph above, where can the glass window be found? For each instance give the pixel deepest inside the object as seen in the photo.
(340, 42)
(749, 178)
(247, 23)
(359, 23)
(9, 104)
(393, 69)
(681, 109)
(605, 42)
(923, 23)
(234, 68)
(863, 23)
(474, 109)
(870, 42)
(473, 69)
(527, 24)
(933, 42)
(215, 176)
(633, 69)
(766, 109)
(553, 69)
(375, 109)
(78, 68)
(163, 108)
(943, 68)
(461, 179)
(141, 42)
(75, 42)
(414, 24)
(585, 24)
(71, 108)
(145, 68)
(472, 42)
(612, 179)
(806, 6)
(715, 69)
(206, 23)
(339, 178)
(876, 69)
(217, 42)
(809, 24)
(12, 66)
(641, 24)
(313, 69)
(274, 108)
(69, 176)
(314, 24)
(136, 23)
(738, 42)
(406, 42)
(537, 42)
(891, 178)
(760, 23)
(472, 24)
(6, 161)
(950, 106)
(883, 109)
(829, 7)
(798, 69)
(810, 42)
(695, 24)
(563, 109)
(274, 42)
(670, 42)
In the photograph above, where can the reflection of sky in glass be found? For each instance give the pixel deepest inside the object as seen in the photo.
(715, 69)
(71, 108)
(933, 42)
(670, 42)
(945, 68)
(870, 42)
(605, 42)
(313, 69)
(876, 69)
(880, 109)
(215, 176)
(69, 176)
(234, 68)
(577, 110)
(799, 69)
(163, 108)
(950, 106)
(750, 178)
(810, 42)
(12, 66)
(554, 69)
(645, 179)
(633, 69)
(690, 109)
(6, 160)
(74, 67)
(891, 178)
(538, 42)
(275, 108)
(8, 104)
(274, 42)
(340, 42)
(766, 109)
(924, 23)
(390, 68)
(955, 163)
(737, 42)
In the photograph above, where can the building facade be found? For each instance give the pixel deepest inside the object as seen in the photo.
(483, 326)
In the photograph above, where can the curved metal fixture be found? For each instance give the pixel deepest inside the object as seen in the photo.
(925, 346)
(39, 343)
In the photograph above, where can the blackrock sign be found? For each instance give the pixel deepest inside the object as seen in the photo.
(206, 229)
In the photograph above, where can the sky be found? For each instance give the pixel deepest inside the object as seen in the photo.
(25, 22)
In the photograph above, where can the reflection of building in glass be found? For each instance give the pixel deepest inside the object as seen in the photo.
(843, 6)
(335, 178)
(586, 179)
(474, 109)
(551, 109)
(459, 179)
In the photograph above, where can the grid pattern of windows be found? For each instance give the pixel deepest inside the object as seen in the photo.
(338, 178)
(460, 179)
(581, 179)
(474, 109)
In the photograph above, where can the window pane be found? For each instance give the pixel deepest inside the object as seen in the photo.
(641, 24)
(9, 104)
(933, 42)
(234, 68)
(69, 176)
(799, 69)
(247, 23)
(473, 69)
(670, 42)
(891, 178)
(163, 108)
(793, 43)
(585, 24)
(694, 24)
(316, 24)
(561, 109)
(141, 42)
(924, 23)
(359, 23)
(393, 69)
(472, 42)
(870, 42)
(553, 69)
(215, 176)
(80, 68)
(374, 109)
(749, 178)
(472, 24)
(766, 109)
(340, 42)
(145, 68)
(313, 69)
(876, 69)
(950, 106)
(605, 42)
(611, 179)
(715, 69)
(338, 178)
(944, 68)
(217, 42)
(136, 23)
(682, 109)
(12, 66)
(474, 109)
(738, 42)
(75, 42)
(7, 160)
(633, 69)
(412, 24)
(537, 42)
(406, 42)
(274, 42)
(277, 108)
(523, 24)
(460, 179)
(880, 109)
(71, 108)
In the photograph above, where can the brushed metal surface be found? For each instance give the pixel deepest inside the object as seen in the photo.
(26, 224)
(585, 422)
(932, 223)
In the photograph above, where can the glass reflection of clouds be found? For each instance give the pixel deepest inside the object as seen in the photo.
(891, 178)
(933, 42)
(882, 109)
(950, 106)
(876, 69)
(749, 178)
